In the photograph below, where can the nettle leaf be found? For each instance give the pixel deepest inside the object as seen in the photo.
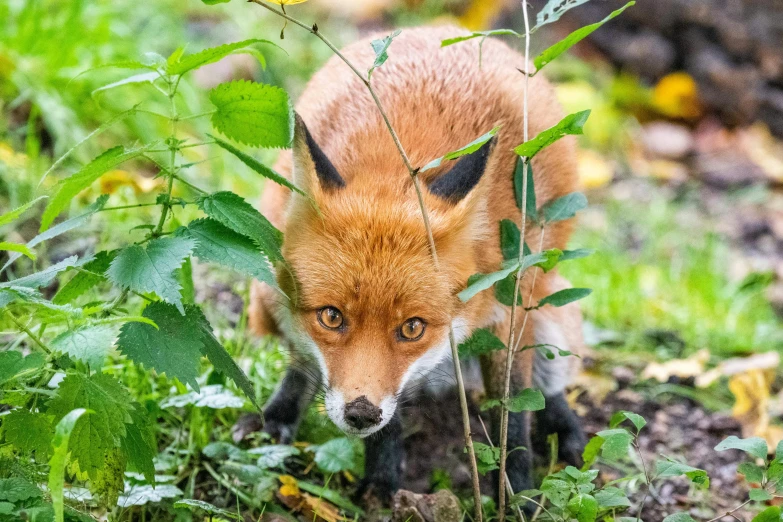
(29, 432)
(273, 455)
(16, 247)
(754, 446)
(487, 457)
(256, 165)
(182, 65)
(564, 297)
(61, 228)
(216, 243)
(531, 209)
(84, 281)
(60, 445)
(528, 399)
(214, 396)
(571, 124)
(68, 188)
(253, 113)
(139, 444)
(621, 416)
(554, 9)
(612, 497)
(480, 342)
(671, 468)
(147, 77)
(16, 489)
(240, 216)
(480, 34)
(174, 348)
(564, 207)
(151, 269)
(617, 443)
(199, 505)
(8, 217)
(13, 365)
(572, 39)
(95, 434)
(42, 278)
(679, 517)
(89, 343)
(335, 456)
(381, 48)
(583, 507)
(470, 148)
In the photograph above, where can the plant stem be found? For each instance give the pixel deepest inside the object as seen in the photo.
(512, 328)
(730, 513)
(172, 157)
(413, 172)
(30, 334)
(189, 184)
(123, 207)
(236, 491)
(646, 480)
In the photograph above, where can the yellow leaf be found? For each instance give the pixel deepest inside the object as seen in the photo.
(480, 14)
(682, 368)
(594, 170)
(751, 391)
(289, 488)
(317, 509)
(676, 95)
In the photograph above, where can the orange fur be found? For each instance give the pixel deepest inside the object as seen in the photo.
(366, 253)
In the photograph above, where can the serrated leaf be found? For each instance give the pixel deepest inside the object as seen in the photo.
(100, 431)
(200, 505)
(531, 209)
(109, 482)
(470, 148)
(564, 297)
(141, 495)
(771, 514)
(335, 455)
(554, 9)
(616, 444)
(621, 416)
(216, 243)
(151, 268)
(572, 39)
(253, 113)
(564, 207)
(42, 278)
(60, 444)
(256, 165)
(83, 281)
(29, 432)
(241, 217)
(61, 228)
(89, 343)
(557, 491)
(14, 365)
(16, 489)
(17, 247)
(8, 217)
(139, 444)
(480, 34)
(583, 507)
(273, 455)
(68, 188)
(611, 497)
(211, 55)
(571, 124)
(147, 77)
(528, 399)
(754, 446)
(214, 396)
(480, 342)
(174, 348)
(381, 49)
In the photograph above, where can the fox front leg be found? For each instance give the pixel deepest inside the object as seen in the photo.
(383, 456)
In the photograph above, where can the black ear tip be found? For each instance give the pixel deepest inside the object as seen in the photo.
(455, 184)
(324, 169)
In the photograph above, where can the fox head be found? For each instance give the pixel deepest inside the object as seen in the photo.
(367, 301)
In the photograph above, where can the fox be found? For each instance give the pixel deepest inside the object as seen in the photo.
(368, 312)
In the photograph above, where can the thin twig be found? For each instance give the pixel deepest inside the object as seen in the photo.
(505, 477)
(647, 481)
(730, 513)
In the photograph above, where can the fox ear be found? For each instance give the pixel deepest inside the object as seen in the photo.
(310, 162)
(456, 183)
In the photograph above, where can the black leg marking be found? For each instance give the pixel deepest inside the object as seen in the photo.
(557, 417)
(383, 455)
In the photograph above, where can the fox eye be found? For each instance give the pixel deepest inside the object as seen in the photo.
(412, 329)
(330, 317)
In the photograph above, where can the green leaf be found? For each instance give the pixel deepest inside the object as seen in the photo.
(139, 444)
(215, 396)
(147, 493)
(147, 77)
(101, 431)
(679, 517)
(569, 255)
(29, 432)
(480, 282)
(487, 457)
(480, 34)
(89, 343)
(621, 416)
(569, 41)
(16, 247)
(61, 228)
(754, 446)
(84, 281)
(151, 269)
(557, 491)
(219, 357)
(564, 297)
(215, 2)
(200, 505)
(42, 278)
(68, 188)
(480, 342)
(381, 48)
(759, 495)
(752, 472)
(185, 278)
(528, 399)
(13, 365)
(253, 113)
(591, 451)
(554, 9)
(509, 240)
(16, 489)
(611, 497)
(564, 207)
(207, 56)
(240, 216)
(60, 444)
(531, 209)
(335, 456)
(273, 455)
(571, 124)
(771, 514)
(470, 148)
(216, 243)
(671, 468)
(8, 217)
(583, 507)
(256, 165)
(779, 451)
(174, 348)
(617, 442)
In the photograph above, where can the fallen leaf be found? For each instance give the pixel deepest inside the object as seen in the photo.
(676, 95)
(289, 488)
(751, 390)
(682, 368)
(313, 509)
(763, 149)
(596, 385)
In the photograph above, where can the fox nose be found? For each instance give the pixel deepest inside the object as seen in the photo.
(361, 414)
